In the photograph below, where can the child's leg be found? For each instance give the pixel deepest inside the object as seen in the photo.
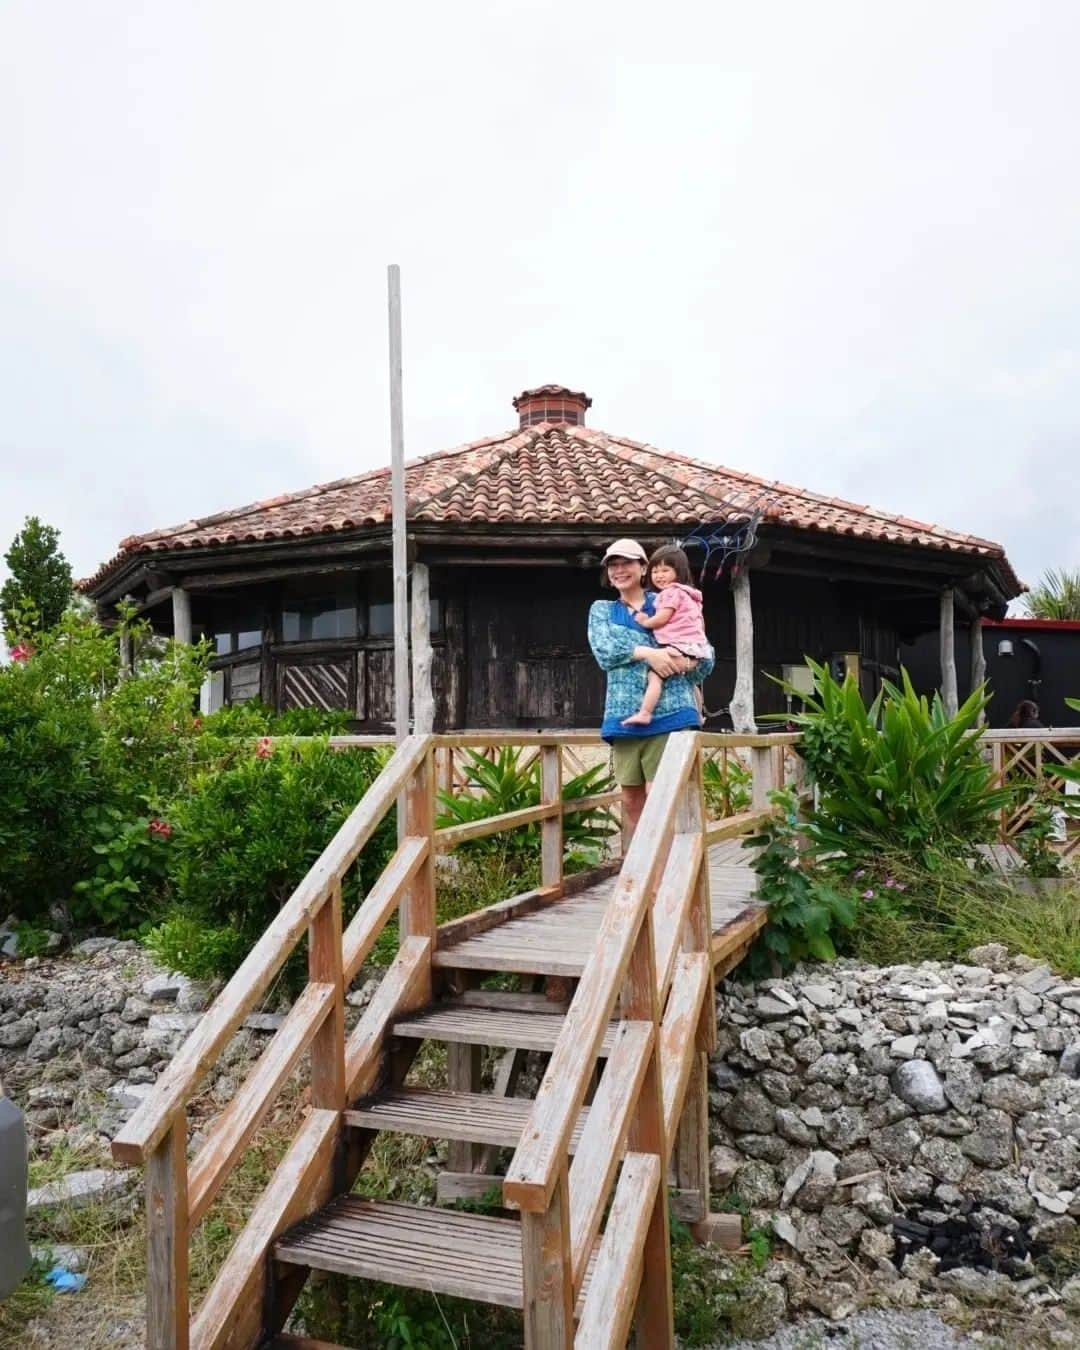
(653, 685)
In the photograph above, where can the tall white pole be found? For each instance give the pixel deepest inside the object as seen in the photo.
(397, 505)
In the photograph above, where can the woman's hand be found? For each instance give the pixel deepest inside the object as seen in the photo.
(658, 659)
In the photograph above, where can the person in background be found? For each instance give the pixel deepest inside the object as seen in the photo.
(1026, 716)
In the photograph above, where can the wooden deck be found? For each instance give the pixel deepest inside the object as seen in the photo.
(559, 938)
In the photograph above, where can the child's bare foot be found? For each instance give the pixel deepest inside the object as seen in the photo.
(639, 719)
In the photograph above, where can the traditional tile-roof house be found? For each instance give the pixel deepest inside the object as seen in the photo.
(295, 591)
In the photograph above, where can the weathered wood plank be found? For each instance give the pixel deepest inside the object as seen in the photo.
(732, 827)
(230, 1133)
(691, 1152)
(678, 1032)
(418, 902)
(231, 1315)
(675, 897)
(450, 836)
(551, 830)
(604, 1136)
(153, 1118)
(370, 919)
(469, 925)
(535, 1165)
(324, 968)
(405, 986)
(167, 1241)
(609, 1303)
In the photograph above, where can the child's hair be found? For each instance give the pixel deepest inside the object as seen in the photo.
(676, 559)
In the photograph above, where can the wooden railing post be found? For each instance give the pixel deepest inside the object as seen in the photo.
(167, 1313)
(418, 905)
(551, 831)
(546, 1271)
(761, 767)
(998, 753)
(325, 967)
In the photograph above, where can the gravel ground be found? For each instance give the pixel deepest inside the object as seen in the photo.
(881, 1329)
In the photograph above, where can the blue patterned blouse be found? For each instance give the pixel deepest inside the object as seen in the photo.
(613, 635)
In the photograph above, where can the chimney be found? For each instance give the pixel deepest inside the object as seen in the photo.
(551, 403)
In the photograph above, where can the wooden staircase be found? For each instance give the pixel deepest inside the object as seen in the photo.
(620, 1112)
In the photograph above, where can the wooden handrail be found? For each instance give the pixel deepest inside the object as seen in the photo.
(540, 1156)
(152, 1120)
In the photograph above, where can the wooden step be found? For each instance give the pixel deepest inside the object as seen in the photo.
(470, 1117)
(456, 1022)
(555, 940)
(474, 1256)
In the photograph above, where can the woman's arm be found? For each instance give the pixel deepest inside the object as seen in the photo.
(611, 643)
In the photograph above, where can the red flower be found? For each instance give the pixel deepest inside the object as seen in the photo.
(22, 651)
(196, 724)
(265, 748)
(160, 829)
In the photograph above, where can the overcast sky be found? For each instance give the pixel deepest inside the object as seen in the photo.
(835, 243)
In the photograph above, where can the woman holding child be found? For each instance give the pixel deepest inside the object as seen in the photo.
(653, 647)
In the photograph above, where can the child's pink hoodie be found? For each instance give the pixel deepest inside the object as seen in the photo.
(686, 627)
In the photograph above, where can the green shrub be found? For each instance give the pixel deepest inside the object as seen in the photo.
(900, 775)
(244, 836)
(805, 909)
(81, 749)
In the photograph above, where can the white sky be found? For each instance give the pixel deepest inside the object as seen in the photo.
(835, 243)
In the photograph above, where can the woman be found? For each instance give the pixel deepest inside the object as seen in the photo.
(627, 653)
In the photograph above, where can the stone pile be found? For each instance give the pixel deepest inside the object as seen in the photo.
(849, 1098)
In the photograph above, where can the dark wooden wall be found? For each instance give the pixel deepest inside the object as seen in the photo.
(513, 652)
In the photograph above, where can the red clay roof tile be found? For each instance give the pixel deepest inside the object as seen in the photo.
(549, 474)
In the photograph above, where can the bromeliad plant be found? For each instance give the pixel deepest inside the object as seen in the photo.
(899, 775)
(496, 786)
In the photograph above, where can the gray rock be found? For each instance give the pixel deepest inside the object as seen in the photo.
(771, 1008)
(991, 1142)
(895, 1143)
(844, 1128)
(807, 1049)
(177, 1021)
(163, 988)
(1034, 1066)
(124, 1040)
(755, 1043)
(820, 995)
(751, 1111)
(19, 1032)
(904, 1047)
(791, 1125)
(770, 1147)
(93, 946)
(264, 1022)
(45, 1045)
(1037, 981)
(942, 1159)
(136, 1009)
(777, 1086)
(1010, 1093)
(835, 1300)
(842, 1223)
(1070, 1061)
(963, 1086)
(986, 1287)
(724, 1162)
(917, 1083)
(129, 1095)
(79, 1189)
(993, 955)
(761, 1309)
(756, 1184)
(725, 1077)
(819, 1166)
(1070, 1293)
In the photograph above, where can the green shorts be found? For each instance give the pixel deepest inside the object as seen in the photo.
(635, 759)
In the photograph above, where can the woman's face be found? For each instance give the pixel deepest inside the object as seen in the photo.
(625, 574)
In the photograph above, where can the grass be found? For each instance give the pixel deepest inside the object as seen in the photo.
(941, 915)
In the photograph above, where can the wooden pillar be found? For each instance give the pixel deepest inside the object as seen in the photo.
(978, 661)
(167, 1241)
(742, 700)
(420, 619)
(948, 652)
(324, 967)
(181, 612)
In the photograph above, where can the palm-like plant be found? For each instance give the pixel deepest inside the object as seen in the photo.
(1057, 596)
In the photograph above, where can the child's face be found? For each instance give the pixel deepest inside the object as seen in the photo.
(663, 574)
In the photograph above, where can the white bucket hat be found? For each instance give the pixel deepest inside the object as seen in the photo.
(626, 548)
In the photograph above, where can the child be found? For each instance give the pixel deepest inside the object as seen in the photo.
(677, 623)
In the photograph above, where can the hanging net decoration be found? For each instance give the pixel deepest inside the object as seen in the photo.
(723, 545)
